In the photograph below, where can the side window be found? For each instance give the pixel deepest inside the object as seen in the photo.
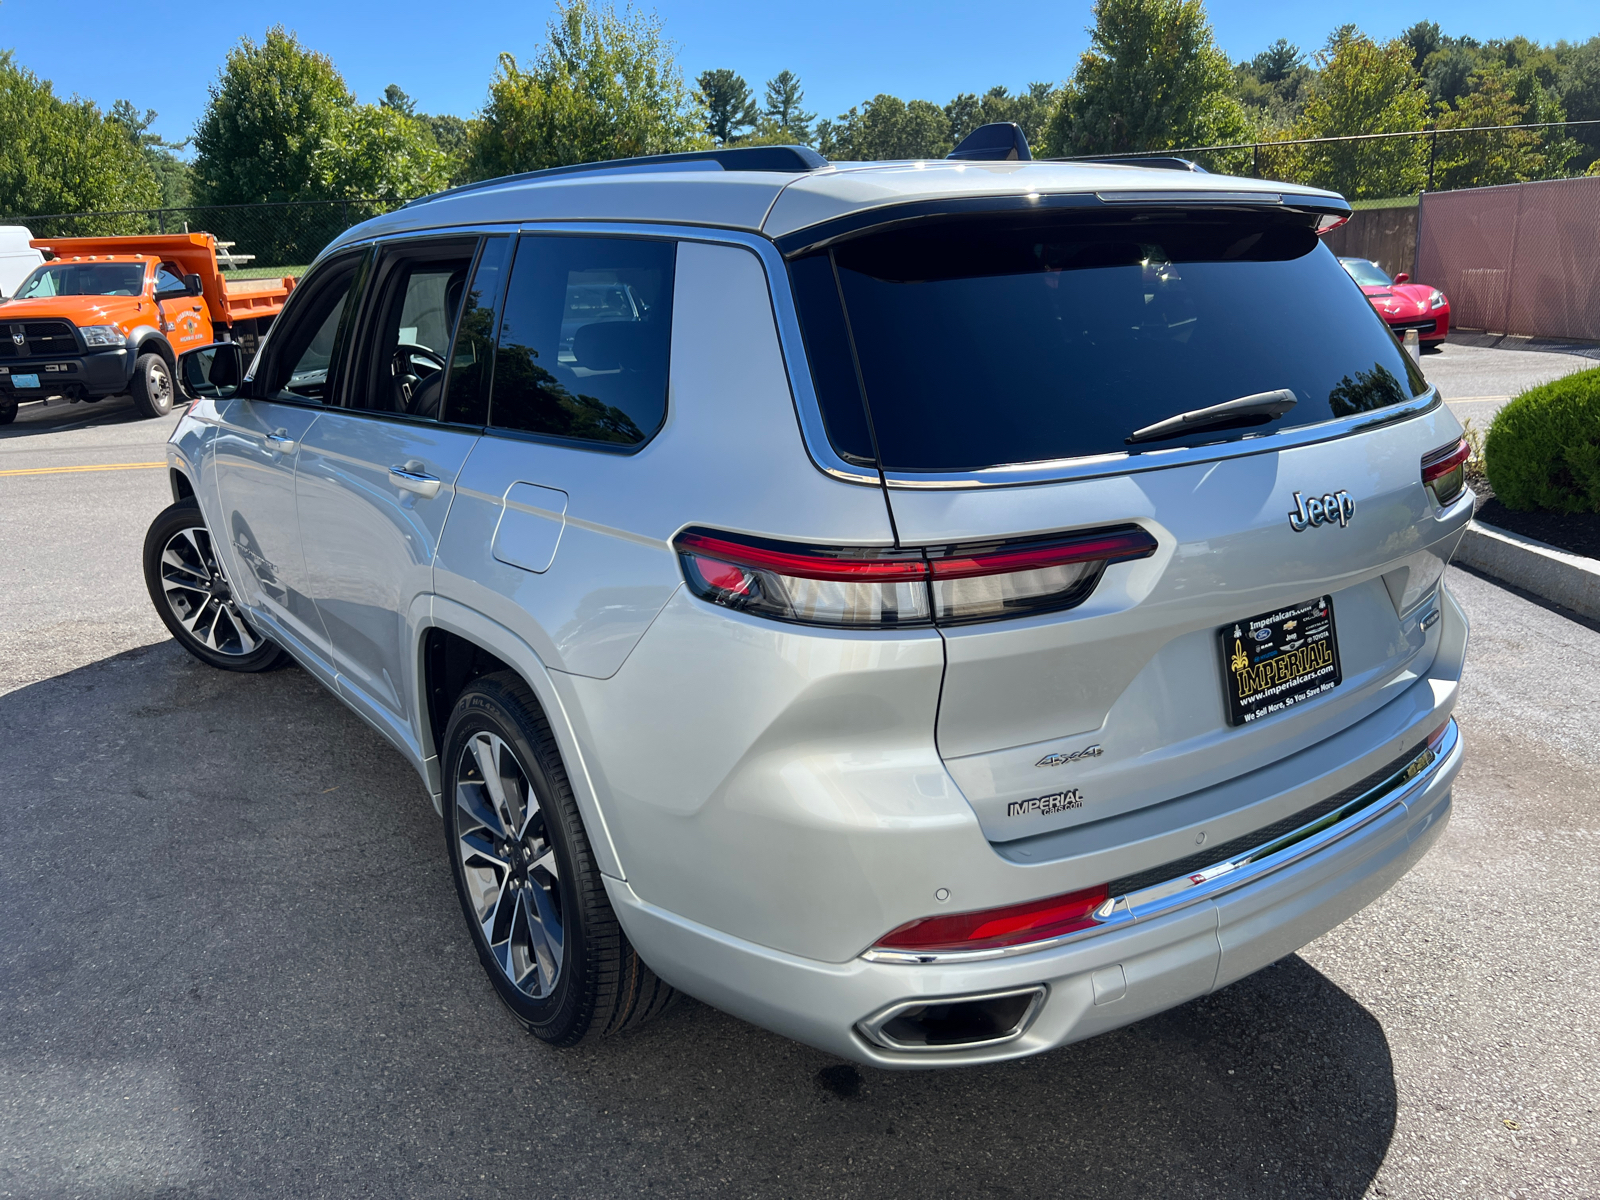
(585, 338)
(301, 359)
(168, 278)
(466, 399)
(418, 295)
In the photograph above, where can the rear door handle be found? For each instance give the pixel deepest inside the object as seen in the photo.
(281, 442)
(411, 478)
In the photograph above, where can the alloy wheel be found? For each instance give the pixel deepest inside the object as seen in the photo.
(199, 595)
(159, 385)
(509, 865)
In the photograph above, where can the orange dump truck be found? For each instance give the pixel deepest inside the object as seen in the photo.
(108, 316)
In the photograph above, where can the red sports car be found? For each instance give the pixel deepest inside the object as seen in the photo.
(1402, 304)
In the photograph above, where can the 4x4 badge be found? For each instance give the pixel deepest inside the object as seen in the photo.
(1056, 760)
(1321, 510)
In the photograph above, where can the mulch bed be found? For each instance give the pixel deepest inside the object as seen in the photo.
(1576, 533)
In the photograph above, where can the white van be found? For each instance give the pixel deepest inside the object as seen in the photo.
(17, 257)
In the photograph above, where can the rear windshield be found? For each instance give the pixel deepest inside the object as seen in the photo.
(993, 342)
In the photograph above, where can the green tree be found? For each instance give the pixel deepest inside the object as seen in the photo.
(782, 114)
(171, 172)
(282, 126)
(1363, 87)
(1578, 87)
(378, 152)
(886, 128)
(1278, 62)
(1031, 109)
(275, 110)
(603, 86)
(394, 97)
(1510, 156)
(1152, 79)
(1425, 39)
(1272, 87)
(66, 156)
(728, 103)
(453, 136)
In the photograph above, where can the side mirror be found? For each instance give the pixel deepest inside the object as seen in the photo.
(212, 372)
(1402, 278)
(191, 284)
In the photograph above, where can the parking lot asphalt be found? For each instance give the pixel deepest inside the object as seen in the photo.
(232, 963)
(1476, 381)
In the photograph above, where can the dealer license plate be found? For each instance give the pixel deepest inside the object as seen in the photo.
(25, 381)
(1279, 659)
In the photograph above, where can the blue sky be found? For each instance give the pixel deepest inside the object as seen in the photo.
(843, 50)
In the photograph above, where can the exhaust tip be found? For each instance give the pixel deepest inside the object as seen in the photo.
(954, 1022)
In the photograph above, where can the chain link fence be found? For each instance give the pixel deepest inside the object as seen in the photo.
(1522, 259)
(257, 239)
(1383, 165)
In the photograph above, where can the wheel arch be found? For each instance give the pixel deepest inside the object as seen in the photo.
(456, 645)
(147, 341)
(182, 486)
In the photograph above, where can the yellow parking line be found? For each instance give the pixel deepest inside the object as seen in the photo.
(71, 470)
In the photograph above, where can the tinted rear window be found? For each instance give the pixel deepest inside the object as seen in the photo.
(992, 342)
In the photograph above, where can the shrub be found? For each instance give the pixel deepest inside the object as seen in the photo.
(1543, 449)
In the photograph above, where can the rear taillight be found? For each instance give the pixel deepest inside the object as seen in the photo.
(815, 585)
(1444, 471)
(951, 585)
(991, 928)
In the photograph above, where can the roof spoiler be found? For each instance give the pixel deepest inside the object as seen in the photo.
(998, 141)
(791, 160)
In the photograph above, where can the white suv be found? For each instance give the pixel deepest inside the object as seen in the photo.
(951, 608)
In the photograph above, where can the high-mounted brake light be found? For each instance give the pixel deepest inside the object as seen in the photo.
(822, 585)
(991, 928)
(1444, 471)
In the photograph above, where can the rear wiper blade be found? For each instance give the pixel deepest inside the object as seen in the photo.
(1246, 410)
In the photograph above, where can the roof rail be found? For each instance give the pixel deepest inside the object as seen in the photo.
(1164, 162)
(998, 141)
(793, 160)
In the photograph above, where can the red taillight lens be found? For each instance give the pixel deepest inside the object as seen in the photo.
(1444, 471)
(812, 585)
(991, 928)
(822, 585)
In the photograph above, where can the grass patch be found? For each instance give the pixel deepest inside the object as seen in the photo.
(1392, 202)
(265, 272)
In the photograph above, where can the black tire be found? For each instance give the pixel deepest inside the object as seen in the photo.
(151, 387)
(600, 985)
(8, 411)
(193, 598)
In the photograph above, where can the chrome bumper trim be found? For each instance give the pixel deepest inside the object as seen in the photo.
(872, 1028)
(1239, 871)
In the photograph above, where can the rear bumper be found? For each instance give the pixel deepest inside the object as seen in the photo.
(1117, 975)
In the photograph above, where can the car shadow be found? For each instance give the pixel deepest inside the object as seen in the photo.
(59, 414)
(233, 950)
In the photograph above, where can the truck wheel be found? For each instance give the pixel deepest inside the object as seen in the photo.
(151, 388)
(534, 902)
(8, 411)
(191, 594)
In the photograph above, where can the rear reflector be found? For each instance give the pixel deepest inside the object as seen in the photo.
(1444, 471)
(990, 928)
(823, 585)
